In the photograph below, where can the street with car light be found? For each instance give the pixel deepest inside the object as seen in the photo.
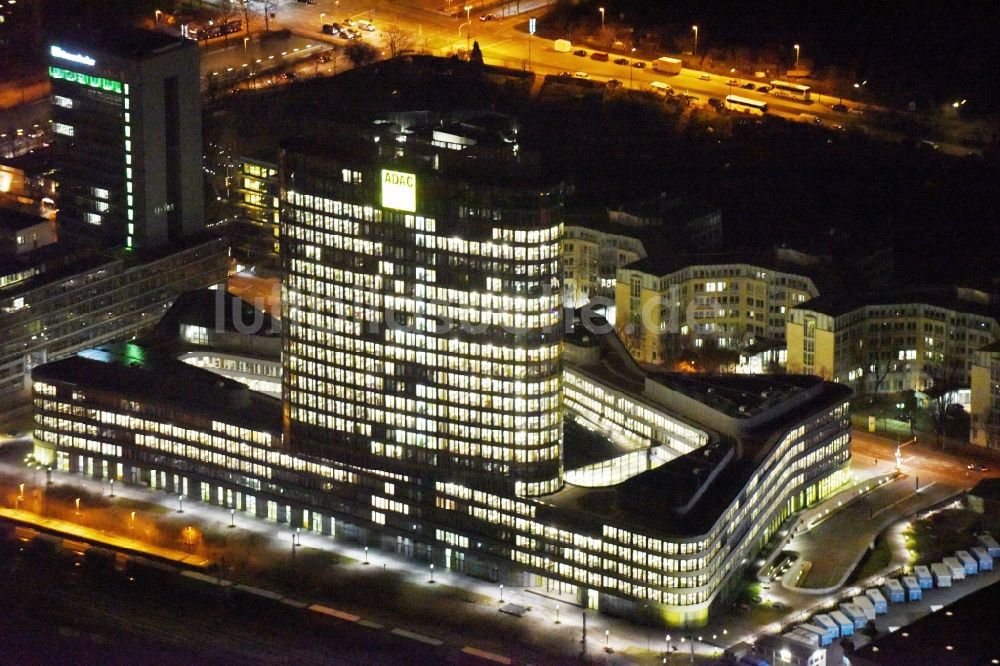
(504, 40)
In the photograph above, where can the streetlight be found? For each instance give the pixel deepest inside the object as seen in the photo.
(668, 649)
(180, 504)
(131, 522)
(557, 613)
(797, 56)
(232, 518)
(732, 72)
(630, 70)
(245, 40)
(322, 15)
(468, 29)
(501, 592)
(695, 51)
(77, 506)
(601, 9)
(112, 488)
(156, 17)
(607, 638)
(432, 572)
(366, 554)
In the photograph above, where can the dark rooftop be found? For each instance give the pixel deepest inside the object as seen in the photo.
(150, 376)
(13, 220)
(835, 304)
(738, 396)
(123, 41)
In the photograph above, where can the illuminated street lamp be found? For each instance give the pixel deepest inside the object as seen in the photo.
(695, 50)
(501, 592)
(245, 40)
(131, 522)
(180, 504)
(232, 517)
(112, 488)
(432, 572)
(557, 613)
(797, 50)
(607, 638)
(601, 9)
(77, 506)
(630, 69)
(156, 16)
(366, 554)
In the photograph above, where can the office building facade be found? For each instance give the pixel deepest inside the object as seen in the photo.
(591, 259)
(704, 305)
(126, 120)
(48, 312)
(892, 341)
(422, 317)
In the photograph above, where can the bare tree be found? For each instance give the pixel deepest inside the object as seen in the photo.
(397, 39)
(268, 6)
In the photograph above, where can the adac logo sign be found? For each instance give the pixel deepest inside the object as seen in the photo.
(399, 190)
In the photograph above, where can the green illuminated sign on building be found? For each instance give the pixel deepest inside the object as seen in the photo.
(86, 79)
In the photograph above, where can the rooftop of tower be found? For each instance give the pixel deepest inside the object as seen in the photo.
(121, 41)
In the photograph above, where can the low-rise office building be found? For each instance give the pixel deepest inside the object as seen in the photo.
(51, 309)
(591, 259)
(985, 408)
(893, 340)
(705, 301)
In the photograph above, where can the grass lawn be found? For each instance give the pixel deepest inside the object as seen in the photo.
(875, 561)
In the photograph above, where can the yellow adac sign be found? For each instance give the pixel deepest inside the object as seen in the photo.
(399, 190)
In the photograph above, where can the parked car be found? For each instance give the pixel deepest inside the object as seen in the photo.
(715, 102)
(367, 26)
(288, 76)
(488, 17)
(614, 83)
(704, 77)
(581, 75)
(621, 61)
(734, 82)
(763, 88)
(580, 52)
(597, 55)
(638, 64)
(331, 29)
(749, 85)
(350, 22)
(839, 108)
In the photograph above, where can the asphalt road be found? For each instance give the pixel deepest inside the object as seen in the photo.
(505, 41)
(919, 461)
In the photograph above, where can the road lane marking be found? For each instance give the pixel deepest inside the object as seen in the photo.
(475, 652)
(332, 612)
(417, 637)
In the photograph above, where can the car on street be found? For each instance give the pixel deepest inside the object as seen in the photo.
(704, 77)
(580, 52)
(581, 75)
(749, 85)
(734, 82)
(638, 64)
(598, 55)
(856, 110)
(488, 17)
(331, 29)
(715, 103)
(689, 99)
(565, 74)
(763, 88)
(621, 61)
(350, 33)
(350, 22)
(839, 108)
(367, 26)
(288, 76)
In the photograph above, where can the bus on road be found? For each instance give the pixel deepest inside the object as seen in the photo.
(746, 105)
(792, 90)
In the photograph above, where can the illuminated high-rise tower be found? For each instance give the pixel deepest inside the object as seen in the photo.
(126, 121)
(422, 313)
